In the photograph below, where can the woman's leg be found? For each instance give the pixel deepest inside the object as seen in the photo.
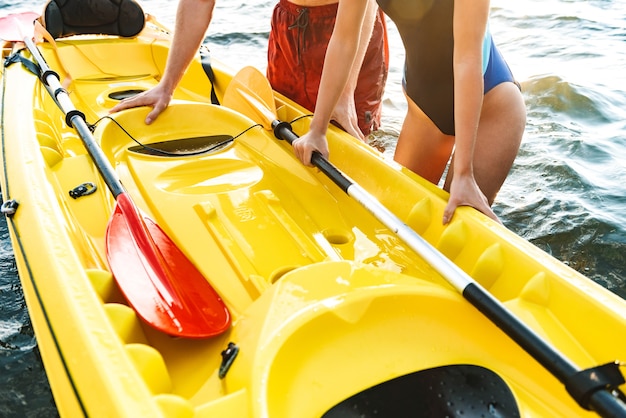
(422, 147)
(499, 136)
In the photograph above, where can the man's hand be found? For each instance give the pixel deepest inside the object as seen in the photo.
(157, 98)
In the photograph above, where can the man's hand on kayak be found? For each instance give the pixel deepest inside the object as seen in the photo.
(158, 98)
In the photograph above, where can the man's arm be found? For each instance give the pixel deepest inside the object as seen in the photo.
(192, 21)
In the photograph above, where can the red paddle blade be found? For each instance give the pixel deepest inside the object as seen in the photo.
(158, 280)
(14, 27)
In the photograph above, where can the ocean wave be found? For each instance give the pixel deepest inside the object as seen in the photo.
(16, 331)
(249, 39)
(570, 228)
(588, 247)
(550, 93)
(557, 179)
(17, 335)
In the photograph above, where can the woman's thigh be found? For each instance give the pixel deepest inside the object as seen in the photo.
(421, 146)
(500, 131)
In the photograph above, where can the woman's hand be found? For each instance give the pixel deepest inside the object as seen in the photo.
(465, 192)
(312, 141)
(345, 115)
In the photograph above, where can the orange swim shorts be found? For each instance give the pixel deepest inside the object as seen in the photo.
(297, 46)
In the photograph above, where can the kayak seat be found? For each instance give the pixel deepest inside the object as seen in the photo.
(458, 390)
(79, 17)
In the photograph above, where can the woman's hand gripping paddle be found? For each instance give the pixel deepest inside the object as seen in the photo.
(251, 94)
(157, 279)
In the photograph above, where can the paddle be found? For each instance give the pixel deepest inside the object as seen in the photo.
(251, 94)
(158, 280)
(12, 25)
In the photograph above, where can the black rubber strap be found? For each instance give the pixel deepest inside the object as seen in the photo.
(582, 385)
(70, 115)
(17, 57)
(205, 59)
(31, 66)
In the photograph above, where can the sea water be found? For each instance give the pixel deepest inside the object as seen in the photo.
(566, 192)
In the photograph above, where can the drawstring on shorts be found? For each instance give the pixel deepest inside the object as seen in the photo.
(301, 23)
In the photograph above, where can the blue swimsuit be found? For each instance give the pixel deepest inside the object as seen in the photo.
(425, 27)
(495, 69)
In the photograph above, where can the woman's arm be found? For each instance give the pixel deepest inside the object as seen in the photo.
(338, 63)
(345, 112)
(470, 23)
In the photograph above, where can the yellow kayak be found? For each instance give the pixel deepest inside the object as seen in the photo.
(293, 291)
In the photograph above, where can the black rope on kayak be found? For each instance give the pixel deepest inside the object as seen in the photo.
(301, 117)
(182, 154)
(177, 154)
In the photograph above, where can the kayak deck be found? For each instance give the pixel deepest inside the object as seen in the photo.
(325, 300)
